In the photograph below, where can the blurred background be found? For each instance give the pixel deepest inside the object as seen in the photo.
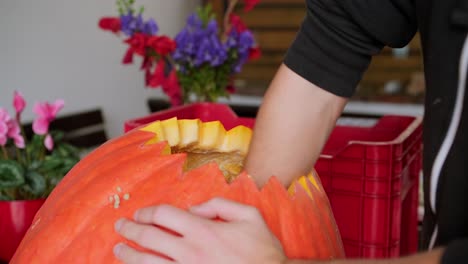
(54, 49)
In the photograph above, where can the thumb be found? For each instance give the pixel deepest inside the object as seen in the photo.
(226, 210)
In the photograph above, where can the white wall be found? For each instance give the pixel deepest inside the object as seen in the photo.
(54, 49)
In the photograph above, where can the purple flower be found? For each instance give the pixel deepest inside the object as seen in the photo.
(198, 44)
(150, 27)
(137, 23)
(125, 21)
(241, 43)
(204, 53)
(185, 46)
(194, 22)
(231, 41)
(211, 50)
(212, 27)
(246, 41)
(131, 24)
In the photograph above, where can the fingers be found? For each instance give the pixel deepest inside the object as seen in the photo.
(130, 255)
(226, 210)
(149, 237)
(175, 219)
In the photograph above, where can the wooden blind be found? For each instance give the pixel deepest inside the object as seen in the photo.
(275, 24)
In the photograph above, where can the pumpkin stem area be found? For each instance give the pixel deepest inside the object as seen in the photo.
(230, 163)
(204, 142)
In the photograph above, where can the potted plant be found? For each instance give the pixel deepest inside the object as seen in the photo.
(30, 167)
(199, 63)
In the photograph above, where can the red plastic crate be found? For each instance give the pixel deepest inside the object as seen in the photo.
(370, 174)
(204, 111)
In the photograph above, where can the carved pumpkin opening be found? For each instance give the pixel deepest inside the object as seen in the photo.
(204, 143)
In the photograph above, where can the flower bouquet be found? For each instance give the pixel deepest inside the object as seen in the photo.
(199, 63)
(31, 168)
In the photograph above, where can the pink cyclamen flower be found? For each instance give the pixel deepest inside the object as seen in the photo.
(18, 102)
(49, 142)
(14, 132)
(46, 113)
(4, 119)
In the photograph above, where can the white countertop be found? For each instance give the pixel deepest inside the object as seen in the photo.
(353, 107)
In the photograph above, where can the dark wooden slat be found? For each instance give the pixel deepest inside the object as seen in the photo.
(278, 40)
(273, 17)
(89, 140)
(72, 121)
(379, 61)
(287, 2)
(244, 110)
(84, 129)
(76, 121)
(157, 104)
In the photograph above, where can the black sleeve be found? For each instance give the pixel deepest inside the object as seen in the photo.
(456, 252)
(337, 39)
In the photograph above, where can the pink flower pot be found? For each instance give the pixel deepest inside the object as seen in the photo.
(15, 219)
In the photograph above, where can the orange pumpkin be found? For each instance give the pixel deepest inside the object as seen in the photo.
(171, 162)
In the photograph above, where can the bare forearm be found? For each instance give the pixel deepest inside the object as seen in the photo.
(293, 124)
(431, 257)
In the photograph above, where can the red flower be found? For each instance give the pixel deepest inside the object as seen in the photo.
(254, 53)
(162, 45)
(250, 4)
(128, 58)
(230, 89)
(146, 66)
(237, 23)
(147, 63)
(147, 77)
(172, 88)
(110, 23)
(138, 43)
(158, 77)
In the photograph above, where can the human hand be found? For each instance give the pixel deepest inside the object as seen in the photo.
(242, 236)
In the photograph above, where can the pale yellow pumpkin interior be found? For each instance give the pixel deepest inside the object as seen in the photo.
(205, 142)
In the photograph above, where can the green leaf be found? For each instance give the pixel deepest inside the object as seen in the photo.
(4, 197)
(35, 146)
(51, 163)
(36, 164)
(58, 136)
(35, 183)
(11, 174)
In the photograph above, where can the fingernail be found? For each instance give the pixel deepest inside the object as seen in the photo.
(117, 249)
(118, 224)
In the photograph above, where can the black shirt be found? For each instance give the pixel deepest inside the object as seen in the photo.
(333, 49)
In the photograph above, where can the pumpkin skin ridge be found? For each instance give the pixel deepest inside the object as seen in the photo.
(323, 243)
(328, 221)
(206, 169)
(61, 208)
(87, 173)
(102, 152)
(126, 209)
